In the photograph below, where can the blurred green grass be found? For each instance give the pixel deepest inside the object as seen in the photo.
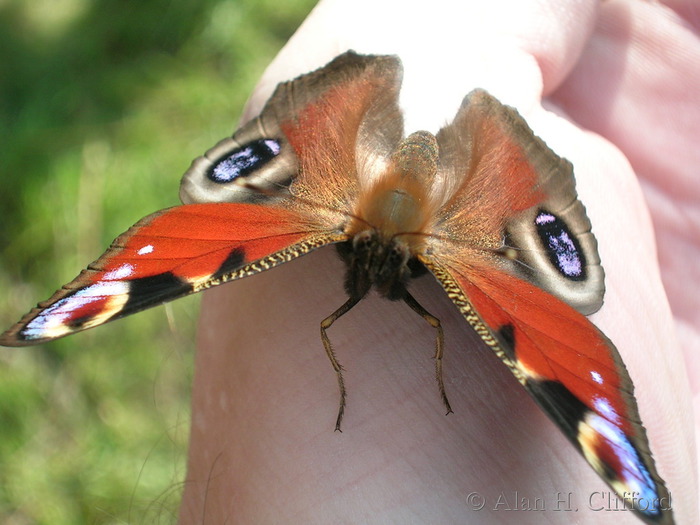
(103, 104)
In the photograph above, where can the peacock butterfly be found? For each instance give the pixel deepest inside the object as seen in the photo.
(484, 205)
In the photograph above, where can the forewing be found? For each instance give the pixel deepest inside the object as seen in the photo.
(571, 369)
(169, 254)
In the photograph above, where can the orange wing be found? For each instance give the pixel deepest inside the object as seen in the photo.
(571, 369)
(171, 253)
(514, 250)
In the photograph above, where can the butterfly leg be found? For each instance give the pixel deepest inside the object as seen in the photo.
(439, 343)
(325, 325)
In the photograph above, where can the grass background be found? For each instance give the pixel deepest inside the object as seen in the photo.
(103, 104)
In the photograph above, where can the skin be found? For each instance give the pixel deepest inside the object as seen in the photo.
(263, 448)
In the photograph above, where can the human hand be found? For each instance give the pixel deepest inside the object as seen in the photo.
(265, 396)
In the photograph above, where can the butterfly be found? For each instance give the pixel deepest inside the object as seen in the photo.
(484, 206)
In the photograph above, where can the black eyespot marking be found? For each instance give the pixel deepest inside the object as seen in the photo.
(562, 247)
(245, 160)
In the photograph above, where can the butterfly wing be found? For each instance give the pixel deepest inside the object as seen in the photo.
(272, 192)
(317, 132)
(169, 254)
(571, 370)
(515, 253)
(513, 191)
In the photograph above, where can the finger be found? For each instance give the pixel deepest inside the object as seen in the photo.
(648, 108)
(441, 66)
(517, 50)
(651, 113)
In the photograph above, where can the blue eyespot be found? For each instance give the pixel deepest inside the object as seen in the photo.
(562, 247)
(243, 161)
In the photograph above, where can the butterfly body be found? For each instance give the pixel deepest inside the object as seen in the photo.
(390, 222)
(483, 205)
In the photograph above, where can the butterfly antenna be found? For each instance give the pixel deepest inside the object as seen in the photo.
(505, 250)
(451, 240)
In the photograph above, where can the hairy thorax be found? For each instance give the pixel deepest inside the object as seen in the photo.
(392, 221)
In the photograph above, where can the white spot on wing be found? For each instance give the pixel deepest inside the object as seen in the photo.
(604, 408)
(597, 377)
(122, 272)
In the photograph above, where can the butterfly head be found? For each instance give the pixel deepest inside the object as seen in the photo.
(375, 261)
